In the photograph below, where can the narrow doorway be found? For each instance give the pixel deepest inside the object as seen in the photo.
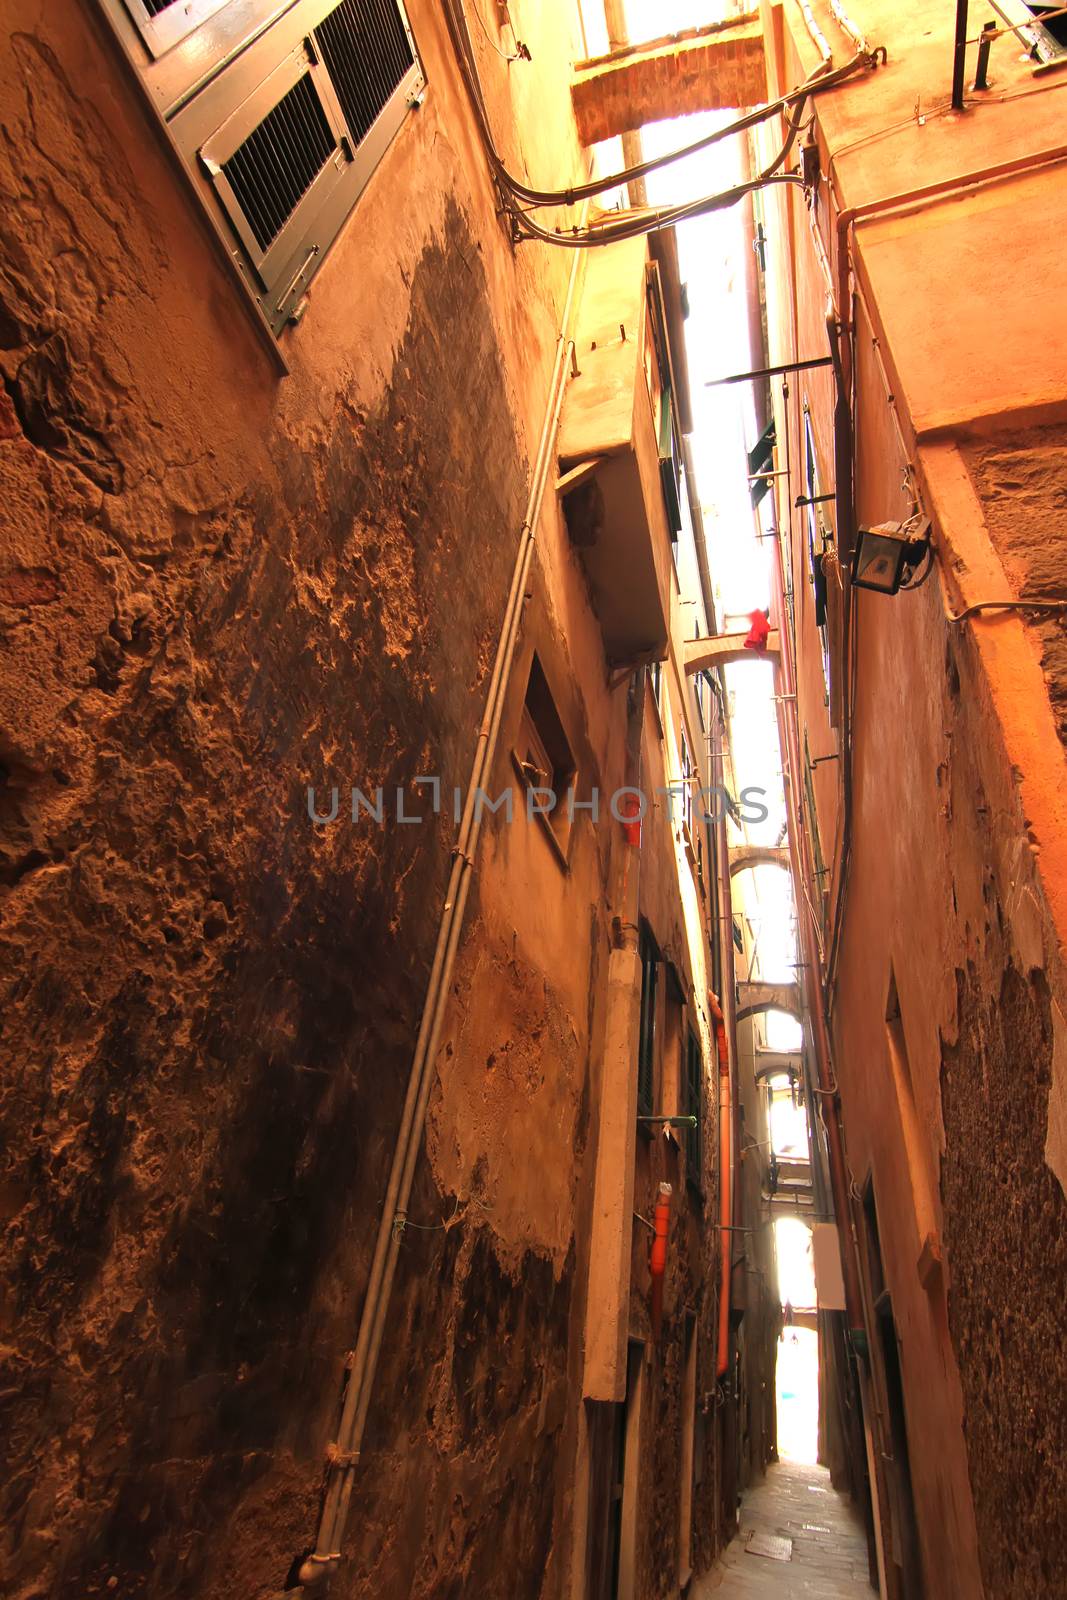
(903, 1550)
(689, 1413)
(614, 1457)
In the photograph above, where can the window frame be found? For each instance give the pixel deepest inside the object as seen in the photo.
(664, 413)
(816, 531)
(694, 1137)
(269, 264)
(200, 91)
(1044, 47)
(561, 769)
(648, 952)
(689, 774)
(171, 25)
(821, 872)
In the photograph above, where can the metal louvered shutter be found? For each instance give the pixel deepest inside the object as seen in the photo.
(646, 1041)
(280, 111)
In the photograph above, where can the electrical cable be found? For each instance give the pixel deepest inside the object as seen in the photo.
(514, 193)
(917, 583)
(521, 52)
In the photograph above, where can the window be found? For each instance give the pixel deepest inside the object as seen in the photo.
(761, 463)
(280, 114)
(646, 1039)
(164, 23)
(694, 1107)
(818, 539)
(656, 680)
(822, 887)
(544, 761)
(658, 371)
(1045, 40)
(686, 786)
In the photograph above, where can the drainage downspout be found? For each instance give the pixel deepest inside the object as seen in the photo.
(344, 1454)
(725, 1020)
(658, 1265)
(726, 1189)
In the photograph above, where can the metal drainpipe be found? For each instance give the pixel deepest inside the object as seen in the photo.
(345, 1454)
(727, 1090)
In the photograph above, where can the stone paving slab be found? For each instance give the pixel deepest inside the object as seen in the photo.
(829, 1560)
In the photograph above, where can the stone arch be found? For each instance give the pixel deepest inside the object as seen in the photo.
(757, 997)
(758, 855)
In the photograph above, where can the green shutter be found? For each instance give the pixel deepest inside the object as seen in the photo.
(647, 1035)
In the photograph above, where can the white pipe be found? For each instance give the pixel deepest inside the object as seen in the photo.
(816, 32)
(847, 26)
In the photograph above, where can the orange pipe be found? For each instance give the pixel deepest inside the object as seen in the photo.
(661, 1223)
(726, 1185)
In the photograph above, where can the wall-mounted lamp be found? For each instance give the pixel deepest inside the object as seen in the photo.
(886, 556)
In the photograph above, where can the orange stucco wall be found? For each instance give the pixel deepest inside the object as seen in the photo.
(958, 828)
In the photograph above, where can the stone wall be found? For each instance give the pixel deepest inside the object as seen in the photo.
(217, 587)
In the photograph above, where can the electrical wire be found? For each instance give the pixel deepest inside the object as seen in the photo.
(521, 52)
(514, 193)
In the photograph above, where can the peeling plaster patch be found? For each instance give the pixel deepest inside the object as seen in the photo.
(1021, 481)
(1056, 1136)
(1025, 921)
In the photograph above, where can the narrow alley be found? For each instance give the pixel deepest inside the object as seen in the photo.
(798, 1540)
(533, 799)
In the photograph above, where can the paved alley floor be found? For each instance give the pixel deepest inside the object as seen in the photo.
(829, 1549)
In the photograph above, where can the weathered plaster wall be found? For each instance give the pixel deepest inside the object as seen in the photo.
(215, 588)
(1021, 481)
(957, 822)
(1006, 1234)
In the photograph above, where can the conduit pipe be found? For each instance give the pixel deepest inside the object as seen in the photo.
(848, 27)
(726, 1184)
(816, 33)
(344, 1454)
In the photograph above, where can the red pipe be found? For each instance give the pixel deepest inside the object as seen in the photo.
(661, 1223)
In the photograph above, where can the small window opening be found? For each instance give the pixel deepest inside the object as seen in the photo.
(694, 1107)
(688, 775)
(818, 543)
(545, 761)
(646, 1040)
